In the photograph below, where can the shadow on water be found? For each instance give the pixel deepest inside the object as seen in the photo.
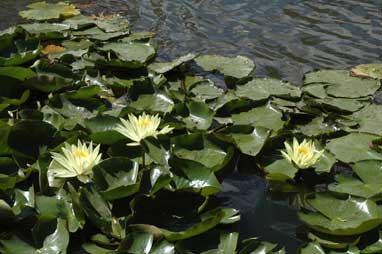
(267, 219)
(285, 37)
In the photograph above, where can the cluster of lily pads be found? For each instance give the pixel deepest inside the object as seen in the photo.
(105, 150)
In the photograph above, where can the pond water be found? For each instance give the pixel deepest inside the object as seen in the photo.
(284, 37)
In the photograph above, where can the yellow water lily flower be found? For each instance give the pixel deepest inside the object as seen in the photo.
(74, 160)
(303, 155)
(139, 128)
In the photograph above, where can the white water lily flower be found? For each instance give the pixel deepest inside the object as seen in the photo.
(139, 128)
(75, 160)
(303, 155)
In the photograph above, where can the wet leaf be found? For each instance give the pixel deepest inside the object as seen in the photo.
(166, 67)
(368, 71)
(367, 186)
(369, 119)
(341, 217)
(116, 178)
(267, 116)
(47, 11)
(236, 67)
(353, 147)
(342, 84)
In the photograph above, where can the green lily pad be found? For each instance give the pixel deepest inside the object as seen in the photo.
(194, 177)
(236, 67)
(98, 34)
(336, 104)
(200, 148)
(157, 102)
(166, 67)
(206, 90)
(55, 243)
(353, 147)
(102, 128)
(368, 184)
(248, 139)
(369, 119)
(267, 116)
(261, 89)
(281, 170)
(313, 248)
(116, 178)
(17, 52)
(200, 116)
(19, 73)
(317, 90)
(47, 11)
(317, 127)
(136, 54)
(47, 30)
(342, 84)
(341, 217)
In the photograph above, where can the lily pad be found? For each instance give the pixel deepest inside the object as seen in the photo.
(369, 119)
(200, 116)
(342, 84)
(135, 54)
(368, 184)
(281, 170)
(157, 102)
(47, 11)
(267, 116)
(116, 178)
(236, 67)
(353, 147)
(261, 89)
(368, 71)
(166, 67)
(341, 217)
(200, 148)
(248, 139)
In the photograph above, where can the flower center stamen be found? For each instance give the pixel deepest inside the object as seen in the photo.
(81, 154)
(303, 150)
(146, 122)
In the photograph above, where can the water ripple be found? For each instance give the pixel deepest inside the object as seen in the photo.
(284, 37)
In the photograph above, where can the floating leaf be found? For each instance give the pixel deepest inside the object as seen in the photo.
(134, 54)
(369, 173)
(353, 147)
(281, 170)
(236, 67)
(260, 89)
(342, 84)
(368, 71)
(46, 11)
(369, 119)
(166, 67)
(341, 217)
(267, 116)
(116, 178)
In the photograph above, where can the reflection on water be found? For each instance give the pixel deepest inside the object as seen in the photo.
(285, 37)
(270, 220)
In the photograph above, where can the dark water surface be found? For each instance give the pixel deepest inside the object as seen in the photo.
(284, 37)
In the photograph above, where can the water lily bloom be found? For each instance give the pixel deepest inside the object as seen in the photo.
(303, 155)
(74, 160)
(139, 128)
